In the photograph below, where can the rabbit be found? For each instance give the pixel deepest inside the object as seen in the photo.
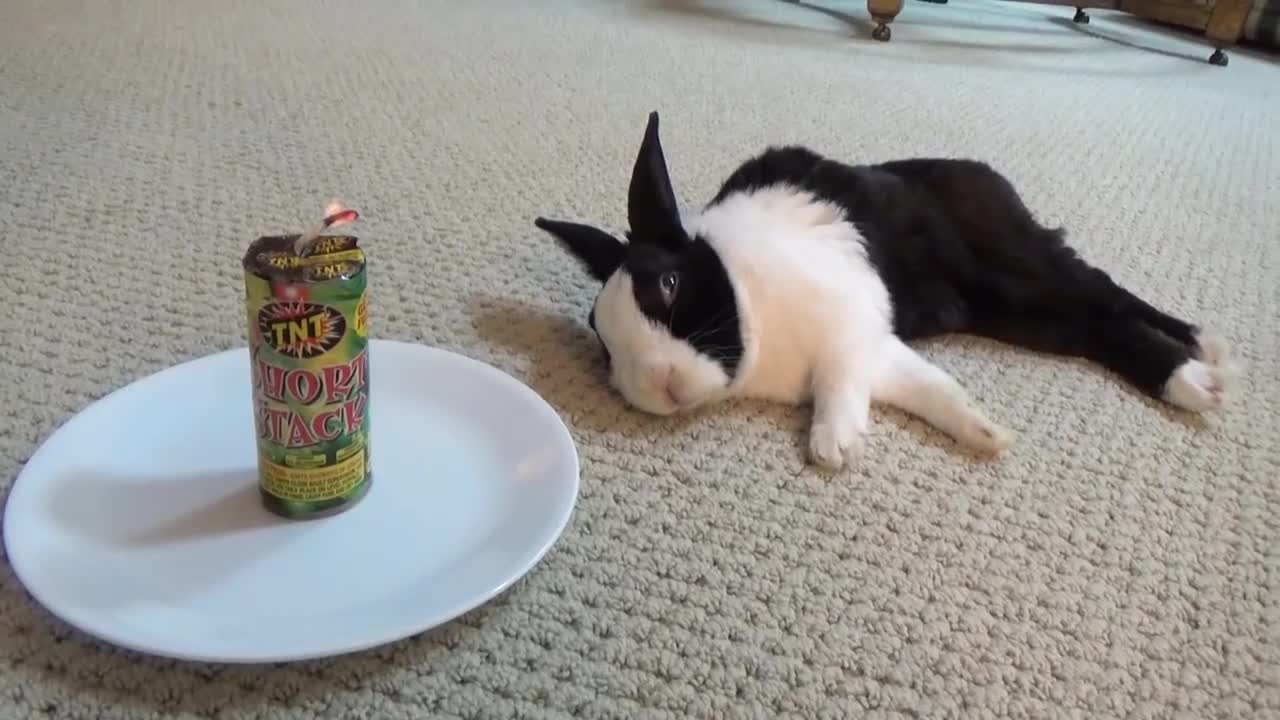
(804, 279)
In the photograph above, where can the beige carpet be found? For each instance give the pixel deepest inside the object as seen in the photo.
(1121, 562)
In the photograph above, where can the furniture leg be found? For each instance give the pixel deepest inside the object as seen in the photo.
(883, 12)
(1226, 25)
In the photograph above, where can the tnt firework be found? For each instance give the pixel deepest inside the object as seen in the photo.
(307, 319)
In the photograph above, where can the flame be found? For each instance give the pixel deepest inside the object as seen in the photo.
(336, 213)
(341, 218)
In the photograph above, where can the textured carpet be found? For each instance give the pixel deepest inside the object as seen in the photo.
(1123, 561)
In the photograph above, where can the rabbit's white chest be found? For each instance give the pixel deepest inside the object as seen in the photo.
(804, 286)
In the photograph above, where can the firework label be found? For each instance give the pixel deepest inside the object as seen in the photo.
(307, 319)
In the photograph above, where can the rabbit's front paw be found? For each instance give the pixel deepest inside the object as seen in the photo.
(836, 441)
(983, 435)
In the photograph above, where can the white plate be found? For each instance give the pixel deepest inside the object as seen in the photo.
(139, 520)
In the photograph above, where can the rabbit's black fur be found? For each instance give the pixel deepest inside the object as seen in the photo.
(961, 253)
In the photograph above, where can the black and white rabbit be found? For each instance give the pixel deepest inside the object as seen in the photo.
(803, 279)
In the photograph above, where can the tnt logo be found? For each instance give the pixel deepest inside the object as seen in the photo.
(301, 329)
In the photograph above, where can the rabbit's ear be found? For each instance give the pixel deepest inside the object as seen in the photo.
(598, 251)
(651, 203)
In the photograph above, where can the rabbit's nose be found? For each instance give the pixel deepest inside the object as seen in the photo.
(659, 372)
(675, 396)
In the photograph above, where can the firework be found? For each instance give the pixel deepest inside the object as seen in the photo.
(307, 319)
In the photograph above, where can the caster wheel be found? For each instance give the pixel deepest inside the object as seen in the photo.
(1081, 17)
(1218, 58)
(882, 33)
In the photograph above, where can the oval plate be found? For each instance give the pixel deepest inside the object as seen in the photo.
(139, 521)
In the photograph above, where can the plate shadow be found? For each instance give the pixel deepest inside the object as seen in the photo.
(105, 507)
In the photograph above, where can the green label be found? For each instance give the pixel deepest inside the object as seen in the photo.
(309, 347)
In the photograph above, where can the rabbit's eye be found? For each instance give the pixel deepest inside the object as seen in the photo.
(667, 283)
